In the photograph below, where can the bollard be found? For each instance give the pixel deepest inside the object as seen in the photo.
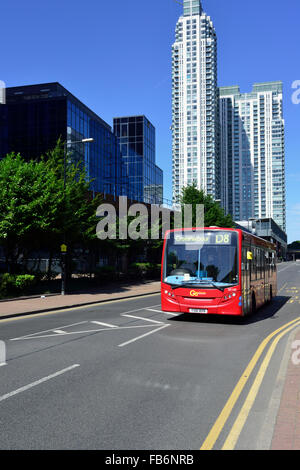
(2, 354)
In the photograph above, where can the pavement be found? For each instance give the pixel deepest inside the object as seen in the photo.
(22, 306)
(286, 435)
(124, 375)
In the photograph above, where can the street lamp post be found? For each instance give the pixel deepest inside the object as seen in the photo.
(63, 247)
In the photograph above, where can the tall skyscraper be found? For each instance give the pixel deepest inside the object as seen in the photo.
(253, 152)
(195, 120)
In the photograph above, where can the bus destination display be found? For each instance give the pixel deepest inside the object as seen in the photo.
(203, 238)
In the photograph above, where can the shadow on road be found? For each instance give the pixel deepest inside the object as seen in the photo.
(268, 311)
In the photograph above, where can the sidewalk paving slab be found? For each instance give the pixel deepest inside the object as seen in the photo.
(41, 304)
(286, 434)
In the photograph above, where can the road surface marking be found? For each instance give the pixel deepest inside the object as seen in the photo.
(104, 324)
(80, 307)
(143, 336)
(142, 318)
(286, 267)
(220, 422)
(139, 309)
(165, 313)
(171, 313)
(38, 382)
(59, 330)
(23, 338)
(281, 288)
(152, 310)
(74, 324)
(239, 423)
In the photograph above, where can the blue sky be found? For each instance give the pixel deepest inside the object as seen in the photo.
(116, 57)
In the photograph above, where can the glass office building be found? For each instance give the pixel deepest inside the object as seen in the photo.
(136, 136)
(36, 116)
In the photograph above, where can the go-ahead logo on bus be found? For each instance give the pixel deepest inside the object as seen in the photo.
(194, 293)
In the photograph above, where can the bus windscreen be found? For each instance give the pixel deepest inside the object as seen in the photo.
(201, 258)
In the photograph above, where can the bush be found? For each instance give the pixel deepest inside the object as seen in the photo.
(11, 284)
(138, 270)
(7, 285)
(144, 270)
(106, 273)
(24, 281)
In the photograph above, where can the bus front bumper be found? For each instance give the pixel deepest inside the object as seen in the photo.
(215, 306)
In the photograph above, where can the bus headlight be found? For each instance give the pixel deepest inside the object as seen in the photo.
(170, 294)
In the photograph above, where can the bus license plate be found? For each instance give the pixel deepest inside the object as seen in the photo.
(198, 310)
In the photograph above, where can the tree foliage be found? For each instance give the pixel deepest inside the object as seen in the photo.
(294, 245)
(214, 214)
(36, 210)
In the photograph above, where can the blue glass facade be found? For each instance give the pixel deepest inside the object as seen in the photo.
(35, 116)
(136, 136)
(102, 158)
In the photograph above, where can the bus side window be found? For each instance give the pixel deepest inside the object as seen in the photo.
(245, 262)
(262, 263)
(266, 266)
(258, 268)
(253, 265)
(258, 264)
(270, 264)
(274, 260)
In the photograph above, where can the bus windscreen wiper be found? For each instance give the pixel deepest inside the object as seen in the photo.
(195, 283)
(212, 284)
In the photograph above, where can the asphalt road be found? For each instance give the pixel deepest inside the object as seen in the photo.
(123, 375)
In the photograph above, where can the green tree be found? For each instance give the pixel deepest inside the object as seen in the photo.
(77, 215)
(294, 245)
(37, 211)
(214, 214)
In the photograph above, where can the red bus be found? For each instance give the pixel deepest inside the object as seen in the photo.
(216, 271)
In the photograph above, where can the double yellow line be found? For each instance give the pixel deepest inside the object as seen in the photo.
(238, 425)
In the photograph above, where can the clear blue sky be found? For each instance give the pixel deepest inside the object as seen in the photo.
(115, 56)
